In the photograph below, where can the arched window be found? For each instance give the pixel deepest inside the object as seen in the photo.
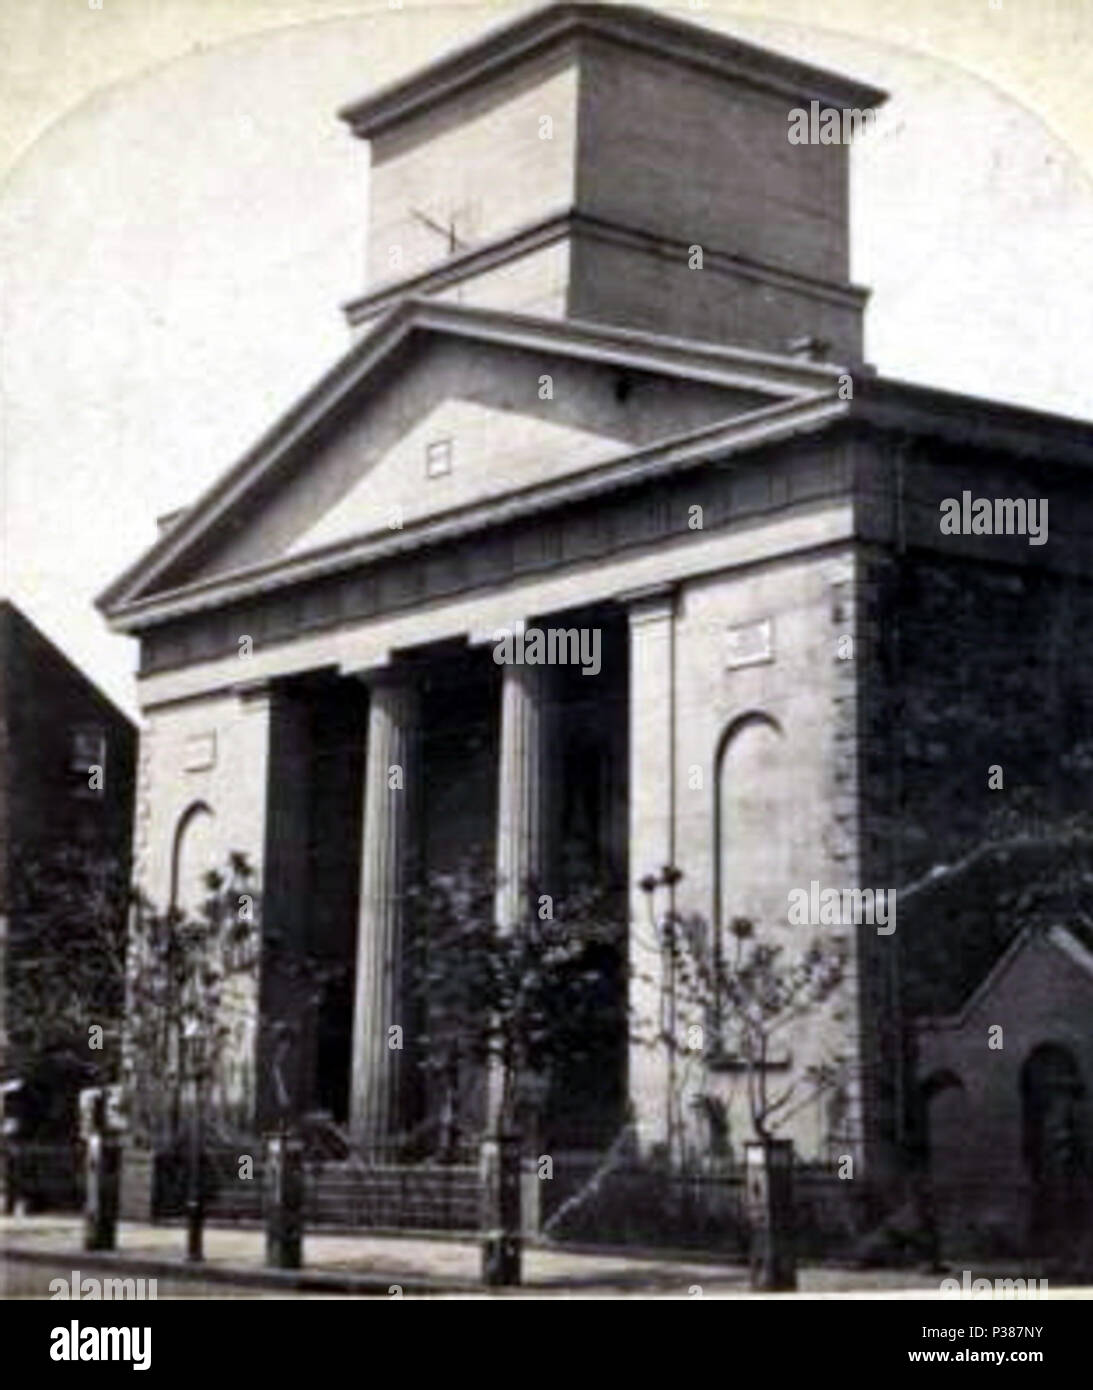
(752, 850)
(192, 857)
(753, 795)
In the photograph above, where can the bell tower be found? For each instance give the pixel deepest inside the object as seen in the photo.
(609, 164)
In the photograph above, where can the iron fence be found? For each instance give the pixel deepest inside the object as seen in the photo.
(981, 1218)
(43, 1177)
(337, 1193)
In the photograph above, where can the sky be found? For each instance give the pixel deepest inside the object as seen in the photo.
(182, 216)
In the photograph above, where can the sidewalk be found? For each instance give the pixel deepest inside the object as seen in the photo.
(37, 1248)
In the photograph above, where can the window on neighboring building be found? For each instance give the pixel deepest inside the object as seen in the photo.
(87, 759)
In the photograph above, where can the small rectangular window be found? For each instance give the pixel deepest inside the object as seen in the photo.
(438, 458)
(87, 752)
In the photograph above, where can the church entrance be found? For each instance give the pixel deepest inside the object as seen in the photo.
(318, 773)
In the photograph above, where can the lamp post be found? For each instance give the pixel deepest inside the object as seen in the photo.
(284, 1171)
(665, 933)
(102, 1161)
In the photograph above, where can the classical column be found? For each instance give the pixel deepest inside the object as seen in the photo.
(288, 1024)
(519, 867)
(521, 788)
(390, 767)
(652, 840)
(521, 797)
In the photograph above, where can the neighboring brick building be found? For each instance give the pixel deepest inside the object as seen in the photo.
(56, 728)
(1006, 1085)
(582, 407)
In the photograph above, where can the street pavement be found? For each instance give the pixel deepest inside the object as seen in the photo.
(36, 1249)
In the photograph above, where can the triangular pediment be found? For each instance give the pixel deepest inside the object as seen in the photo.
(441, 410)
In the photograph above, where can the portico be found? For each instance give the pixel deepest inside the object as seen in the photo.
(438, 761)
(469, 762)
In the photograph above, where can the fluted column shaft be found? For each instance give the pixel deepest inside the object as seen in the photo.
(520, 820)
(390, 767)
(521, 785)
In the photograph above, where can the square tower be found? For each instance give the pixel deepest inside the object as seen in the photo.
(608, 164)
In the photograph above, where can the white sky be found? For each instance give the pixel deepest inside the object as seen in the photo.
(182, 215)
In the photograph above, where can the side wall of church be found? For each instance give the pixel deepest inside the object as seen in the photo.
(764, 790)
(972, 673)
(201, 796)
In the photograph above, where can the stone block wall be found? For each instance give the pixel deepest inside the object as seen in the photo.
(972, 668)
(759, 688)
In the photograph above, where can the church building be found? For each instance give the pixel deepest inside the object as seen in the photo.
(605, 409)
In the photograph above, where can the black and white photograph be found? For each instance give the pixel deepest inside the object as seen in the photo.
(546, 745)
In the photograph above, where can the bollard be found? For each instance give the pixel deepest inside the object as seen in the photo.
(284, 1191)
(769, 1187)
(9, 1157)
(502, 1242)
(13, 1198)
(531, 1197)
(103, 1173)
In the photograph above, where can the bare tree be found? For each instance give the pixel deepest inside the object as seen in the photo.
(741, 1004)
(191, 981)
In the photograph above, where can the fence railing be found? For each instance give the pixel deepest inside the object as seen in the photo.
(43, 1177)
(704, 1209)
(348, 1193)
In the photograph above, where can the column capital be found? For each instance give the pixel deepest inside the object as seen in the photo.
(252, 693)
(368, 674)
(391, 676)
(483, 636)
(652, 604)
(534, 676)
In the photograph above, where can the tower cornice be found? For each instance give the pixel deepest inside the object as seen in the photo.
(553, 26)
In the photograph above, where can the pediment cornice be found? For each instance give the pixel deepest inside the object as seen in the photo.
(720, 441)
(285, 444)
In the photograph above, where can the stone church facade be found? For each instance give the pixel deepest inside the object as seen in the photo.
(607, 377)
